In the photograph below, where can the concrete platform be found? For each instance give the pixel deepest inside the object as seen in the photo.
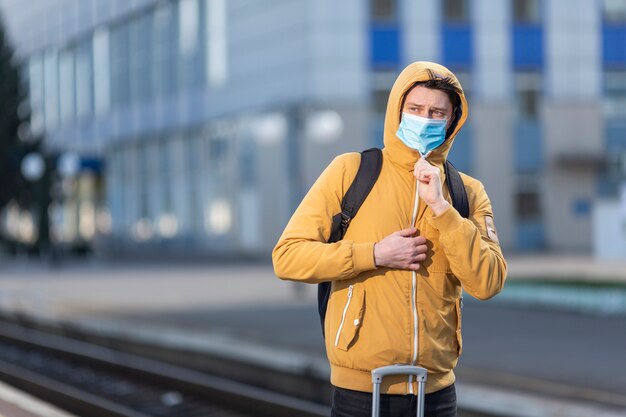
(565, 364)
(15, 403)
(567, 267)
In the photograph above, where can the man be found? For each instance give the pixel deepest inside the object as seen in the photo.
(398, 274)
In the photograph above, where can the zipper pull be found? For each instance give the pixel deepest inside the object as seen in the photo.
(350, 291)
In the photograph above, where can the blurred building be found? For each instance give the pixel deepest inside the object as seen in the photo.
(209, 119)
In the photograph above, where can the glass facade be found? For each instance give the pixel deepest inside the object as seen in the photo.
(158, 53)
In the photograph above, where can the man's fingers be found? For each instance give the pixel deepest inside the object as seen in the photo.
(421, 165)
(417, 253)
(418, 256)
(419, 240)
(407, 232)
(421, 249)
(415, 266)
(422, 162)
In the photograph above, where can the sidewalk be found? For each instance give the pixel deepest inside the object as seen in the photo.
(558, 268)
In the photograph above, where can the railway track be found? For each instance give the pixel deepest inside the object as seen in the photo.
(92, 376)
(93, 381)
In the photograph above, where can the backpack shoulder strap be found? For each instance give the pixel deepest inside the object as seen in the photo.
(366, 176)
(457, 190)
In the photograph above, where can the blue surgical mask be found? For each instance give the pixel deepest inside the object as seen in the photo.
(421, 133)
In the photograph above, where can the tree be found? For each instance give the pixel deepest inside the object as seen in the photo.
(15, 138)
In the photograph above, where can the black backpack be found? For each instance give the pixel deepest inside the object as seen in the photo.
(366, 176)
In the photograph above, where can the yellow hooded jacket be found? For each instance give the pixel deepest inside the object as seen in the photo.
(379, 316)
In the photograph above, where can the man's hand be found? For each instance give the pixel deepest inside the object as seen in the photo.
(401, 250)
(429, 186)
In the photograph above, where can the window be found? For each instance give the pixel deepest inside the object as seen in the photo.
(84, 80)
(164, 56)
(527, 205)
(615, 94)
(615, 10)
(153, 180)
(249, 164)
(190, 62)
(382, 82)
(188, 22)
(180, 198)
(36, 94)
(526, 11)
(67, 101)
(139, 59)
(193, 158)
(132, 195)
(528, 198)
(384, 9)
(527, 95)
(165, 175)
(143, 180)
(51, 89)
(456, 10)
(120, 80)
(102, 73)
(216, 59)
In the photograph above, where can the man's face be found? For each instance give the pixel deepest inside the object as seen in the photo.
(429, 103)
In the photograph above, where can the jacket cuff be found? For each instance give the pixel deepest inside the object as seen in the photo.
(446, 220)
(363, 257)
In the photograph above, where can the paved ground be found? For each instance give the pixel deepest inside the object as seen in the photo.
(538, 349)
(567, 267)
(568, 349)
(15, 403)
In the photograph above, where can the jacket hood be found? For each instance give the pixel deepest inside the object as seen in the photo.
(397, 151)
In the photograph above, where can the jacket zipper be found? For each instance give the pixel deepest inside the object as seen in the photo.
(343, 316)
(413, 294)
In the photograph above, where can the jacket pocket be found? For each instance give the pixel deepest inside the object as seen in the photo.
(459, 337)
(351, 317)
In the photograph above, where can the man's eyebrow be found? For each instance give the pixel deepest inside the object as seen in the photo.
(412, 104)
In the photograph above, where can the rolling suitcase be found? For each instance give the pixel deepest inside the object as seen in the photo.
(379, 373)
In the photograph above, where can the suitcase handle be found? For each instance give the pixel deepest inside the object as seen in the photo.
(379, 373)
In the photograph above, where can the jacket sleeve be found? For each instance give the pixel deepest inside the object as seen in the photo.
(302, 253)
(472, 247)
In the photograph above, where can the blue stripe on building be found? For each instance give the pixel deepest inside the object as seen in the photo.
(385, 45)
(614, 45)
(528, 149)
(527, 46)
(457, 45)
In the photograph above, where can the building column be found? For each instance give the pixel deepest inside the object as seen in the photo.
(572, 116)
(491, 114)
(421, 30)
